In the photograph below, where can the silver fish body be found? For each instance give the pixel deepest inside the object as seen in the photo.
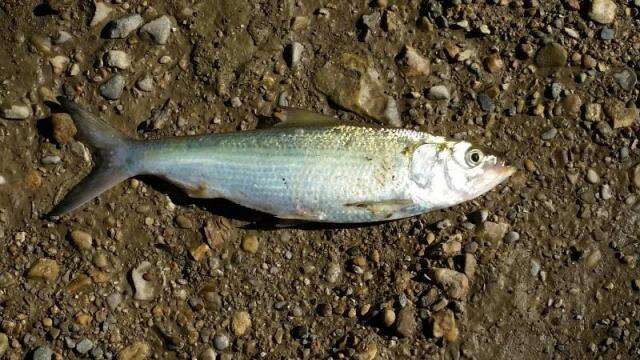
(314, 170)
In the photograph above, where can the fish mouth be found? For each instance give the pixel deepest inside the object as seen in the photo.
(500, 171)
(493, 175)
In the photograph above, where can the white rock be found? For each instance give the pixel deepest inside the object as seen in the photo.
(159, 29)
(16, 112)
(101, 14)
(3, 181)
(603, 11)
(294, 54)
(146, 84)
(59, 64)
(439, 92)
(144, 290)
(62, 37)
(414, 64)
(117, 59)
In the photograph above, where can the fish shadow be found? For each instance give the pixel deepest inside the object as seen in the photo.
(254, 219)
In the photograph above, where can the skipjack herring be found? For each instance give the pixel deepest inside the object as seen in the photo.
(308, 167)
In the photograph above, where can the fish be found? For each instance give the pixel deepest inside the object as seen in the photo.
(308, 167)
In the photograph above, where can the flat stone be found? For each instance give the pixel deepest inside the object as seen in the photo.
(44, 269)
(113, 88)
(354, 84)
(552, 55)
(121, 28)
(159, 29)
(117, 59)
(15, 112)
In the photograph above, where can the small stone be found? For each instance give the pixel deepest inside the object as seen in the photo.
(572, 105)
(592, 176)
(494, 232)
(406, 324)
(113, 88)
(84, 346)
(159, 29)
(144, 289)
(511, 237)
(593, 258)
(184, 222)
(414, 64)
(44, 269)
(470, 264)
(64, 128)
(293, 54)
(549, 134)
(146, 84)
(607, 33)
(370, 351)
(620, 115)
(42, 353)
(300, 23)
(551, 55)
(200, 251)
(117, 59)
(635, 176)
(101, 13)
(333, 273)
(236, 102)
(454, 283)
(606, 192)
(121, 28)
(388, 317)
(15, 112)
(603, 11)
(486, 104)
(83, 240)
(114, 300)
(209, 354)
(593, 112)
(439, 92)
(444, 325)
(493, 63)
(221, 341)
(250, 243)
(626, 78)
(59, 64)
(137, 351)
(4, 343)
(51, 160)
(61, 37)
(240, 323)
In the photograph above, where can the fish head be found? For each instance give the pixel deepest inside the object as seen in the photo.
(450, 173)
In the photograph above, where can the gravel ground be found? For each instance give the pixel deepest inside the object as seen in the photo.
(542, 267)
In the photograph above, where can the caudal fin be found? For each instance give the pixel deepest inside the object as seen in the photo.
(113, 163)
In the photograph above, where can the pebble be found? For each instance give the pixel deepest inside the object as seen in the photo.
(493, 63)
(144, 289)
(113, 88)
(121, 28)
(607, 33)
(15, 112)
(84, 346)
(486, 104)
(240, 323)
(592, 176)
(606, 192)
(209, 354)
(82, 239)
(333, 273)
(221, 342)
(444, 325)
(388, 317)
(293, 54)
(603, 11)
(406, 324)
(59, 64)
(42, 353)
(494, 232)
(146, 83)
(184, 222)
(551, 55)
(454, 283)
(3, 180)
(64, 128)
(44, 269)
(572, 105)
(470, 264)
(626, 78)
(593, 112)
(593, 258)
(511, 237)
(250, 243)
(549, 134)
(114, 300)
(200, 251)
(439, 92)
(4, 343)
(159, 29)
(101, 13)
(137, 351)
(414, 64)
(236, 102)
(117, 59)
(62, 37)
(635, 176)
(51, 160)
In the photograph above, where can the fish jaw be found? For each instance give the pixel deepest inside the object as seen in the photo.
(493, 175)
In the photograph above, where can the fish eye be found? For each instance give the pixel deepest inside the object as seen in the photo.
(474, 157)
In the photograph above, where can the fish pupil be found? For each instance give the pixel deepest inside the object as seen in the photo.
(475, 157)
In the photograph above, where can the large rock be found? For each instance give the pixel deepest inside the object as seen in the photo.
(354, 84)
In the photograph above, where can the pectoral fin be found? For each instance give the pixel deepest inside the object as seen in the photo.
(301, 118)
(385, 208)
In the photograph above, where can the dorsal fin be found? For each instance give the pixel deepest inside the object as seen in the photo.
(297, 118)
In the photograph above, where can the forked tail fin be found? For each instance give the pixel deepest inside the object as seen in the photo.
(113, 150)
